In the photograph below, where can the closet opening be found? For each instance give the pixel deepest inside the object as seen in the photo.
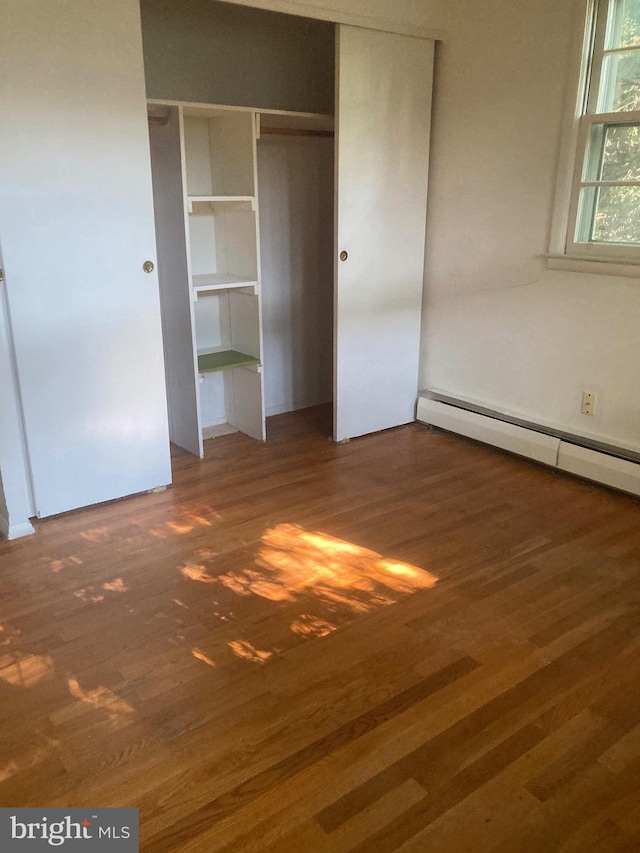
(241, 107)
(295, 186)
(243, 205)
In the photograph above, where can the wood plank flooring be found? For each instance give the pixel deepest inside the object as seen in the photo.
(408, 642)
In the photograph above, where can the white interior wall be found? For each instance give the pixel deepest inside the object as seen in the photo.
(16, 505)
(295, 185)
(217, 53)
(212, 399)
(499, 328)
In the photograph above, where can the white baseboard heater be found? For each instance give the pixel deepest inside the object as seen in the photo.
(612, 466)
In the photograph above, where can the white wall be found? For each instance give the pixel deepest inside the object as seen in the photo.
(216, 53)
(498, 327)
(15, 497)
(295, 185)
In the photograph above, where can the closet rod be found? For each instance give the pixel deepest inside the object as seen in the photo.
(295, 131)
(158, 120)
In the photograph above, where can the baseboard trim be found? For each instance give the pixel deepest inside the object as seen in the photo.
(598, 465)
(15, 531)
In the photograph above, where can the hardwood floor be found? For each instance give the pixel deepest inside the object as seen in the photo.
(408, 642)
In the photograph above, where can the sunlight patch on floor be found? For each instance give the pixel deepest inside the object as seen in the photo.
(201, 656)
(293, 565)
(101, 698)
(9, 769)
(197, 573)
(96, 534)
(206, 554)
(221, 616)
(178, 527)
(58, 565)
(29, 759)
(117, 585)
(159, 534)
(311, 626)
(88, 596)
(244, 649)
(26, 670)
(250, 581)
(294, 561)
(187, 520)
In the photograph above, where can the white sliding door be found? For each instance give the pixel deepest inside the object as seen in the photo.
(383, 123)
(76, 221)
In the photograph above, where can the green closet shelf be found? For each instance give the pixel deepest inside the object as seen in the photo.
(210, 361)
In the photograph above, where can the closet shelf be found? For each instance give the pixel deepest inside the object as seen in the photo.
(220, 281)
(220, 199)
(224, 360)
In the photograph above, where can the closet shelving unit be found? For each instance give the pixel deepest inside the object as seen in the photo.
(209, 154)
(221, 212)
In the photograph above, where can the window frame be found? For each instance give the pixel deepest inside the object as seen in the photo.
(586, 67)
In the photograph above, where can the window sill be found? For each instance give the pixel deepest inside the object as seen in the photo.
(594, 266)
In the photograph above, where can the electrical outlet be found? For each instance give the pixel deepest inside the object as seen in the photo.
(588, 403)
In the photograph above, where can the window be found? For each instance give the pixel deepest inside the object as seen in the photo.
(603, 219)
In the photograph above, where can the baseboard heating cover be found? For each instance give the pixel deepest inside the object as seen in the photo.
(558, 452)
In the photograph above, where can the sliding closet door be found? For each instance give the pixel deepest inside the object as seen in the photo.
(76, 221)
(383, 121)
